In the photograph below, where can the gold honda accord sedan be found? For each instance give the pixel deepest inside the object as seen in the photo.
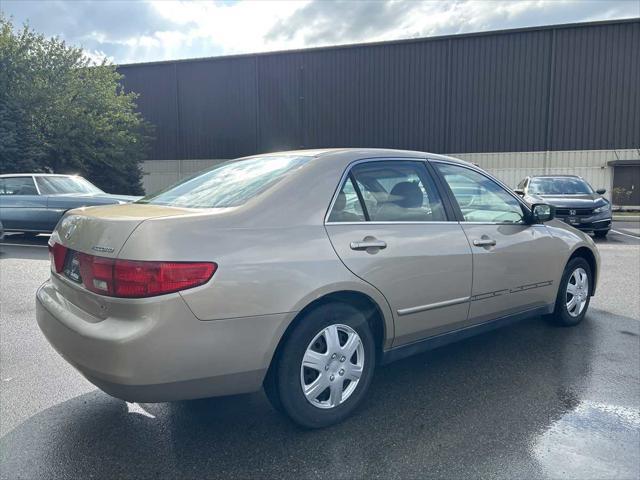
(300, 272)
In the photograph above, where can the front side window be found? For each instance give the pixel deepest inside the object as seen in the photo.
(18, 186)
(229, 184)
(480, 199)
(393, 191)
(61, 185)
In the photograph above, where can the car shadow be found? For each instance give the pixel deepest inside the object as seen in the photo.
(475, 408)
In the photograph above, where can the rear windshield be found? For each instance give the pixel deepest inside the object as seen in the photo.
(559, 186)
(229, 184)
(62, 185)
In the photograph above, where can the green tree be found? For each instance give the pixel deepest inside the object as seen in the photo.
(61, 113)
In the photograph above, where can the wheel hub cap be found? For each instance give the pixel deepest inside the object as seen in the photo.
(577, 293)
(332, 366)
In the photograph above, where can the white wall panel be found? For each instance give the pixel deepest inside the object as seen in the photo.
(592, 165)
(509, 167)
(159, 174)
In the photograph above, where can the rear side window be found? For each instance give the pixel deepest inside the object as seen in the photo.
(347, 207)
(392, 191)
(17, 186)
(229, 184)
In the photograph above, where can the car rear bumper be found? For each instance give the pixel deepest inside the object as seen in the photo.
(166, 354)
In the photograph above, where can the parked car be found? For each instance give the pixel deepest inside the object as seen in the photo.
(33, 203)
(302, 271)
(575, 201)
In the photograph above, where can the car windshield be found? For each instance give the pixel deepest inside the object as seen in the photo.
(559, 186)
(229, 184)
(59, 185)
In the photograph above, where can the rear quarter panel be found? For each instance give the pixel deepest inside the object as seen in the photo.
(261, 271)
(24, 213)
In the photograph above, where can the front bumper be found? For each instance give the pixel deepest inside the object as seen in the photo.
(164, 354)
(588, 224)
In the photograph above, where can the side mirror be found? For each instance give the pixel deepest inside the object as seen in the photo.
(541, 212)
(601, 191)
(519, 191)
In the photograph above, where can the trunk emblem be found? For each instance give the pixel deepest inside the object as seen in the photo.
(98, 248)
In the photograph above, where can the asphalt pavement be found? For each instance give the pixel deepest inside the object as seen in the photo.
(527, 401)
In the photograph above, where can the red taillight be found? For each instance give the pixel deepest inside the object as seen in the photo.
(136, 279)
(57, 254)
(146, 279)
(97, 273)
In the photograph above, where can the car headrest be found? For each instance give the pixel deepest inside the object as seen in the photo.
(407, 195)
(341, 202)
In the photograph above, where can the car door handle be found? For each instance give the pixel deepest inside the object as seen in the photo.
(365, 244)
(484, 242)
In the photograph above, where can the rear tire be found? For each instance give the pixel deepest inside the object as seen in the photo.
(334, 379)
(574, 293)
(601, 234)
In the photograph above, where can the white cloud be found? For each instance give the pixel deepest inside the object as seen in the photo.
(233, 27)
(161, 30)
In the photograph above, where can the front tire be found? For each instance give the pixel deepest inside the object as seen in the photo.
(601, 234)
(325, 367)
(574, 293)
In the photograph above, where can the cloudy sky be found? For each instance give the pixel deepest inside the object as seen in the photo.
(140, 31)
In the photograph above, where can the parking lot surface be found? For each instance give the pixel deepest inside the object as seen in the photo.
(527, 401)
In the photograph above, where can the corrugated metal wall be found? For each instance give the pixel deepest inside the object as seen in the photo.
(573, 87)
(595, 97)
(511, 167)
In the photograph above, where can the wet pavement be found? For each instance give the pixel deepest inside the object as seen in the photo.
(527, 401)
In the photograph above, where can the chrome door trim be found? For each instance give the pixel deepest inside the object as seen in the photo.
(518, 224)
(438, 222)
(381, 222)
(432, 306)
(33, 177)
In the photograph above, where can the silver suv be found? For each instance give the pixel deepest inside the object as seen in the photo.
(300, 272)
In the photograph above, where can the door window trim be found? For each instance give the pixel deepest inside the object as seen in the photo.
(35, 182)
(459, 216)
(449, 212)
(356, 188)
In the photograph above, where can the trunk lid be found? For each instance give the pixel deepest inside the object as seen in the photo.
(99, 231)
(104, 230)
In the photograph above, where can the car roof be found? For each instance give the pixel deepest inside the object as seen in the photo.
(8, 175)
(555, 176)
(392, 154)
